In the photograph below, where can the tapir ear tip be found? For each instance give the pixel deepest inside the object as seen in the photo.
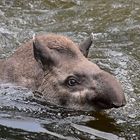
(36, 42)
(92, 36)
(86, 44)
(34, 37)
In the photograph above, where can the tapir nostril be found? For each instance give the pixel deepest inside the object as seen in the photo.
(117, 105)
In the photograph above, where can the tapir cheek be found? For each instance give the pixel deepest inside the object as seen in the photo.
(81, 96)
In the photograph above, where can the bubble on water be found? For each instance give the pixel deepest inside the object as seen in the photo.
(92, 137)
(132, 100)
(117, 5)
(120, 121)
(132, 116)
(59, 114)
(31, 5)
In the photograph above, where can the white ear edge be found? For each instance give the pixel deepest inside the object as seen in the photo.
(92, 36)
(34, 36)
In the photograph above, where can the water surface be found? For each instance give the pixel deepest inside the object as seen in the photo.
(116, 48)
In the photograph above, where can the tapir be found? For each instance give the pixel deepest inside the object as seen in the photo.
(59, 71)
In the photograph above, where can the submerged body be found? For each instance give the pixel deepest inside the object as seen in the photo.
(58, 69)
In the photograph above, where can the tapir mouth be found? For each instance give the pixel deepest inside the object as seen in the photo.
(102, 104)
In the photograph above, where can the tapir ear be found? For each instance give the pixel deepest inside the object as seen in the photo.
(44, 55)
(85, 45)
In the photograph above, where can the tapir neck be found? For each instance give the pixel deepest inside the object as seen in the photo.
(21, 68)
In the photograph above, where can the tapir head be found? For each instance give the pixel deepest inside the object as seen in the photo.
(70, 79)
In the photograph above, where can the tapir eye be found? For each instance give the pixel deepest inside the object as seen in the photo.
(72, 81)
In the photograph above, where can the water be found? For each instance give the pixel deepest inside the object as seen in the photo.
(116, 29)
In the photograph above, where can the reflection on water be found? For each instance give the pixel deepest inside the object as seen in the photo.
(116, 48)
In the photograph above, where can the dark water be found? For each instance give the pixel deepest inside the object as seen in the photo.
(116, 28)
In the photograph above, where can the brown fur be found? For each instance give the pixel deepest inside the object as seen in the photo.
(47, 64)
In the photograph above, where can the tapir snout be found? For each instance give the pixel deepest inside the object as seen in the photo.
(109, 93)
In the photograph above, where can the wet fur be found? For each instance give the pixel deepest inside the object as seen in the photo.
(45, 64)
